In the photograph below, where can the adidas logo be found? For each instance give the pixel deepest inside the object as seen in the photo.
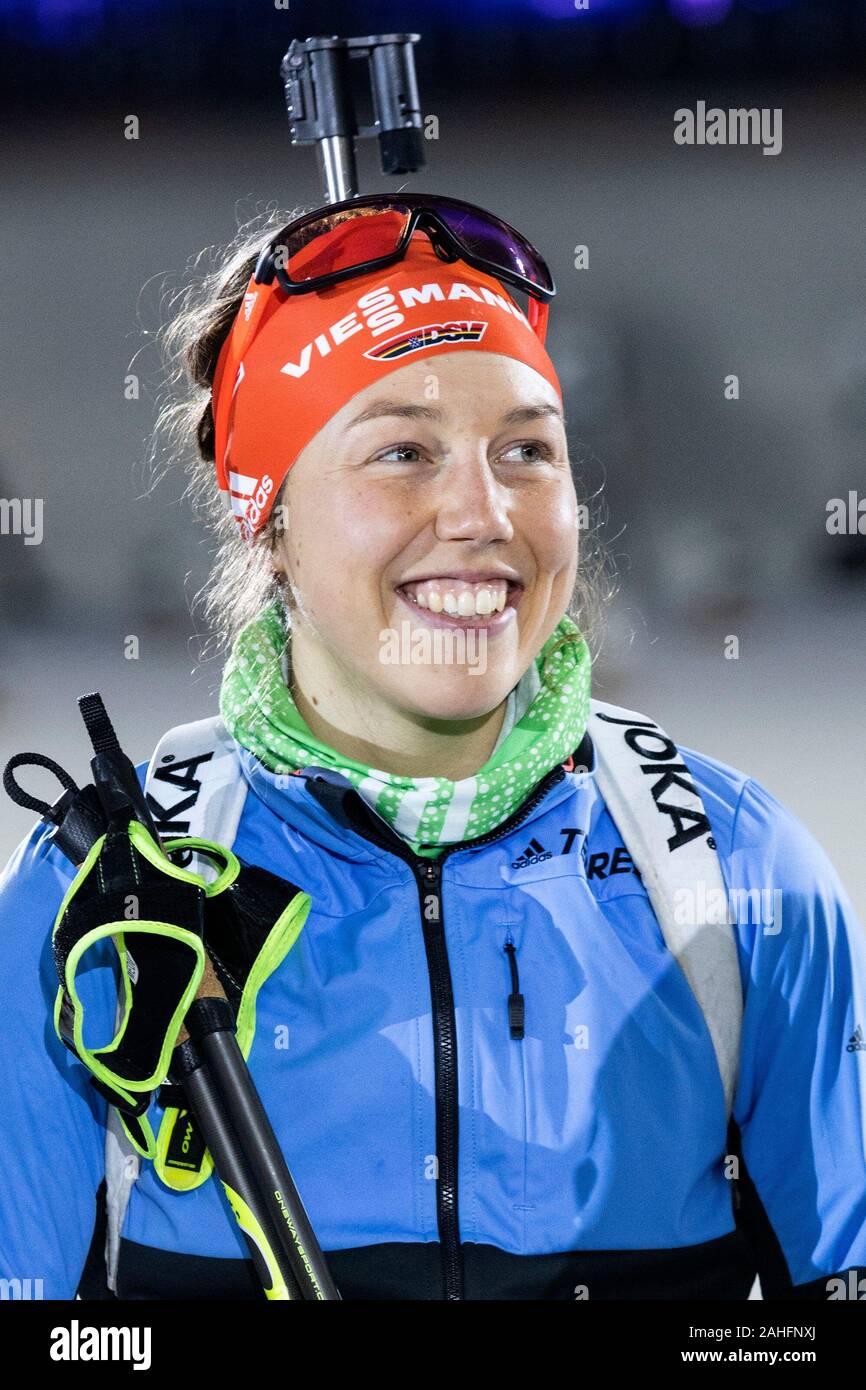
(247, 496)
(533, 854)
(858, 1042)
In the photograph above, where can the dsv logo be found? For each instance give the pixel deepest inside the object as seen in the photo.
(688, 822)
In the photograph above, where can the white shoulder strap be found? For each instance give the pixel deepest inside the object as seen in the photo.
(653, 800)
(194, 786)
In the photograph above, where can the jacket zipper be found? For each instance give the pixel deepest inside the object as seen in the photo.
(429, 875)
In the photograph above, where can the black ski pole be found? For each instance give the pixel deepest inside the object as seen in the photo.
(211, 1028)
(206, 1107)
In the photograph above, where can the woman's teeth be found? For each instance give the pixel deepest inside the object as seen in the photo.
(458, 599)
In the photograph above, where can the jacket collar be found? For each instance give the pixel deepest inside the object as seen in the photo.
(322, 804)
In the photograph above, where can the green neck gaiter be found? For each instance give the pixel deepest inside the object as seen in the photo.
(428, 812)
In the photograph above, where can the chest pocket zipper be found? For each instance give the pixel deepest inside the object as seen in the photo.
(516, 1002)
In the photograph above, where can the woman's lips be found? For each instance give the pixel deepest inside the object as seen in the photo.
(430, 600)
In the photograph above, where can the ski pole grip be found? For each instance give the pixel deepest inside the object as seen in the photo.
(209, 1012)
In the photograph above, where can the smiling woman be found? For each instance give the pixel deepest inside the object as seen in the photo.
(518, 1049)
(243, 578)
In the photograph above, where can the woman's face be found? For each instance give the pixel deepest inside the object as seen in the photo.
(430, 535)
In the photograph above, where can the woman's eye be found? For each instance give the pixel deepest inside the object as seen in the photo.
(531, 452)
(407, 453)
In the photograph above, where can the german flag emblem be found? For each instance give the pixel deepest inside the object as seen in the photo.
(430, 335)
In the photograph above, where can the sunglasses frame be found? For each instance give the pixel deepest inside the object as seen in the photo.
(422, 216)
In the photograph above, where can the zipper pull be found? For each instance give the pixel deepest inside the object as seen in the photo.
(516, 1003)
(430, 880)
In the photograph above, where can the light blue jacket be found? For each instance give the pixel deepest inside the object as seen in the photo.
(590, 1157)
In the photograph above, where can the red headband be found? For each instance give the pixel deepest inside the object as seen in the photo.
(291, 361)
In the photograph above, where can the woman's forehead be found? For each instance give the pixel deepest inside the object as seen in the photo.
(484, 382)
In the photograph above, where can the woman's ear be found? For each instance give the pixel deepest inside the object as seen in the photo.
(276, 531)
(284, 586)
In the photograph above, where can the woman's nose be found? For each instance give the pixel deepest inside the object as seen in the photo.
(472, 504)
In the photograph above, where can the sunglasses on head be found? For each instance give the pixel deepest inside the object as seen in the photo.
(457, 231)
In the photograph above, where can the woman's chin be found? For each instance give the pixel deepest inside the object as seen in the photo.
(468, 694)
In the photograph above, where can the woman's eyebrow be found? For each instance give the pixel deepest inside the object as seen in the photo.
(426, 412)
(532, 412)
(408, 412)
